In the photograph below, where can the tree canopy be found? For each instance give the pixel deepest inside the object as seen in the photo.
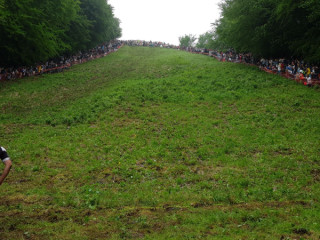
(36, 30)
(187, 40)
(205, 40)
(270, 28)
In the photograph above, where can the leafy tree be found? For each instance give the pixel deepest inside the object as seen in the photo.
(187, 40)
(64, 18)
(205, 40)
(244, 26)
(78, 35)
(270, 28)
(104, 26)
(305, 16)
(36, 30)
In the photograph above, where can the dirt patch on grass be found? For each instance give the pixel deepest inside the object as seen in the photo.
(260, 205)
(23, 199)
(315, 174)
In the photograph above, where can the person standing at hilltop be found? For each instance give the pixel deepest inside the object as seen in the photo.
(7, 162)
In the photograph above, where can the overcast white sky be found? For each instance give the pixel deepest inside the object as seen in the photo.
(164, 20)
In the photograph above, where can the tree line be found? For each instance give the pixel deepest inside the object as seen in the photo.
(267, 28)
(38, 30)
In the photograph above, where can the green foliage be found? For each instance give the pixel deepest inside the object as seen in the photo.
(187, 40)
(205, 40)
(270, 28)
(26, 37)
(154, 143)
(105, 26)
(34, 31)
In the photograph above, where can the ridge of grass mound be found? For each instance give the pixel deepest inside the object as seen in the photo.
(151, 143)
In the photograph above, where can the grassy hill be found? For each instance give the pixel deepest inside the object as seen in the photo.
(151, 143)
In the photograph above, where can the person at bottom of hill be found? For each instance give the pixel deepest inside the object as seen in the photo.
(7, 162)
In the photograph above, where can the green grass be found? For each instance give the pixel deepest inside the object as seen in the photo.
(151, 143)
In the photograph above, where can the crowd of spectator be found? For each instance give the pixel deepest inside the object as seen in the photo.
(139, 43)
(293, 69)
(59, 64)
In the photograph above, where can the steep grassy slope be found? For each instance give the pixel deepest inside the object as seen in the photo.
(153, 143)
